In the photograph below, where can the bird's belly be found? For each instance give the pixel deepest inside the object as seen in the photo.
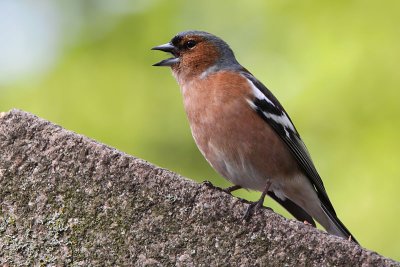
(235, 140)
(234, 167)
(246, 154)
(238, 167)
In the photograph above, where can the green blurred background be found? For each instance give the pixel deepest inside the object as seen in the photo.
(86, 65)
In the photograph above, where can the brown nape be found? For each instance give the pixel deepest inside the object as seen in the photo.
(196, 60)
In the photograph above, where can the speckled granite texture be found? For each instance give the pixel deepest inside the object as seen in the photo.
(66, 200)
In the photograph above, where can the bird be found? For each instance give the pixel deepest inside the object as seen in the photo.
(244, 132)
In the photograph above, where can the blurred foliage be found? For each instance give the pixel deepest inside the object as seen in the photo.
(333, 65)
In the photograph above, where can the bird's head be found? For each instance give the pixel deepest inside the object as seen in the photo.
(193, 52)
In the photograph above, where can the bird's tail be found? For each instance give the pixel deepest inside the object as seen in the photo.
(335, 226)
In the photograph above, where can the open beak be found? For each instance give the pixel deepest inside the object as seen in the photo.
(169, 48)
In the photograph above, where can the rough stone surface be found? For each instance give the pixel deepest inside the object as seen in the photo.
(66, 200)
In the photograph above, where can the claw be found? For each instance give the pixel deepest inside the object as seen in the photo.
(209, 184)
(251, 209)
(230, 189)
(258, 204)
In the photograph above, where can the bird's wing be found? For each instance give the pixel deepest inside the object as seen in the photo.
(272, 112)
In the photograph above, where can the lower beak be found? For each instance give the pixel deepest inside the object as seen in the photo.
(169, 48)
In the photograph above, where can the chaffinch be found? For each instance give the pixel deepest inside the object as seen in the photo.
(244, 132)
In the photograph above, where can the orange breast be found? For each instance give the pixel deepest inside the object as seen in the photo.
(233, 138)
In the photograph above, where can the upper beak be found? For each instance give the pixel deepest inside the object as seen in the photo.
(168, 47)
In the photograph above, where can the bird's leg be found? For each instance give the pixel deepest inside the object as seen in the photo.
(258, 204)
(232, 188)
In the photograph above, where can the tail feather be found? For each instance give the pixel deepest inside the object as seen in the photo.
(337, 227)
(298, 212)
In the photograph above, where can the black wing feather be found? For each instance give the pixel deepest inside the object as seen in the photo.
(291, 139)
(296, 146)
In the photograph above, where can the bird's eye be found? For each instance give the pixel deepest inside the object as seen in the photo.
(190, 44)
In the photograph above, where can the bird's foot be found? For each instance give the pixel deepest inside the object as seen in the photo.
(232, 188)
(209, 184)
(251, 209)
